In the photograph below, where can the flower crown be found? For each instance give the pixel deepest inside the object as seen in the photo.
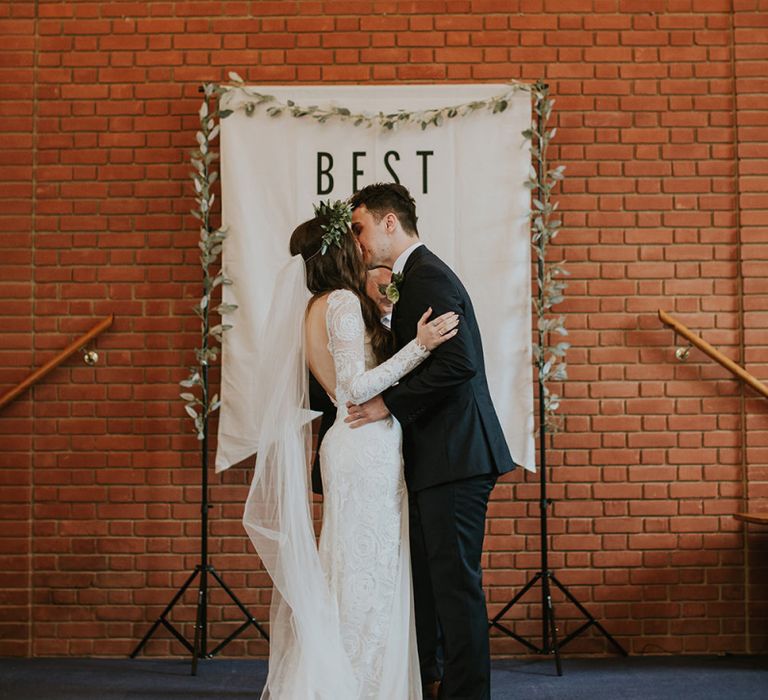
(339, 215)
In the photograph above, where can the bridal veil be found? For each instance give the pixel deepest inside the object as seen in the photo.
(306, 654)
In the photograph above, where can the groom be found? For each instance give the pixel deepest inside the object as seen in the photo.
(453, 446)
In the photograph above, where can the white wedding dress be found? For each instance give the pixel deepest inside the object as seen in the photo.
(341, 614)
(364, 549)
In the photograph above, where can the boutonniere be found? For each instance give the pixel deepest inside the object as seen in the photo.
(392, 290)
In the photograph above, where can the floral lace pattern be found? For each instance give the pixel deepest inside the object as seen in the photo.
(351, 351)
(364, 540)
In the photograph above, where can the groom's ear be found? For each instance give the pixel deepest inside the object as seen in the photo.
(390, 222)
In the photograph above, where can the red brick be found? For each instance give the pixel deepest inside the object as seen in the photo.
(647, 471)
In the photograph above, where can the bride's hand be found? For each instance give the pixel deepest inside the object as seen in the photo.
(430, 334)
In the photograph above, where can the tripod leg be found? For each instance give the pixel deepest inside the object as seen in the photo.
(514, 600)
(146, 638)
(251, 619)
(168, 608)
(589, 616)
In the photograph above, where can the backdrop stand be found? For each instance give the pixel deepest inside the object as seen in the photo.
(550, 643)
(199, 647)
(210, 241)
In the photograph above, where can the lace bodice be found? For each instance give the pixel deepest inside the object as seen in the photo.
(357, 380)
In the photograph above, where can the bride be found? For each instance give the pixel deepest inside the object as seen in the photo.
(341, 617)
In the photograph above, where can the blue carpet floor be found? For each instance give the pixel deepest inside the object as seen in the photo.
(641, 678)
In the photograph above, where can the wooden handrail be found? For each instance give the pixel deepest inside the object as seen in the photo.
(757, 518)
(71, 349)
(716, 355)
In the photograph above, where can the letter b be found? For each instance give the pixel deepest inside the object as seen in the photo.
(324, 167)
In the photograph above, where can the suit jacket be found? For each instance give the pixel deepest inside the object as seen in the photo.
(320, 401)
(450, 427)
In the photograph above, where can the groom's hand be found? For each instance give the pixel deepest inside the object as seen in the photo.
(372, 410)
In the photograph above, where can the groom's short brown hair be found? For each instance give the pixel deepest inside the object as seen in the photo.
(381, 198)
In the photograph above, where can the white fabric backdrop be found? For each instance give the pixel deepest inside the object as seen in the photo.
(473, 214)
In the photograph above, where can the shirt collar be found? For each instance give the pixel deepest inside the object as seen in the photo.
(399, 266)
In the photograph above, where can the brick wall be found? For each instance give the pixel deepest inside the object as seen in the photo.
(661, 108)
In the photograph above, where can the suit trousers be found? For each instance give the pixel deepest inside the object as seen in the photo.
(447, 526)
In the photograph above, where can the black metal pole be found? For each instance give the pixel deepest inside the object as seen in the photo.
(201, 617)
(548, 623)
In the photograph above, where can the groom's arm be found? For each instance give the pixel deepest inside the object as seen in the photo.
(450, 365)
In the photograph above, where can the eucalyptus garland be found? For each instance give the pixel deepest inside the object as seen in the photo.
(200, 406)
(548, 354)
(549, 357)
(425, 118)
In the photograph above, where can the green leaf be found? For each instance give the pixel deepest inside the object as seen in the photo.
(224, 113)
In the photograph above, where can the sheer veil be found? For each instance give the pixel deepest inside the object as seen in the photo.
(306, 655)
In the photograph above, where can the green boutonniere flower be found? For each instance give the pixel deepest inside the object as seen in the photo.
(392, 290)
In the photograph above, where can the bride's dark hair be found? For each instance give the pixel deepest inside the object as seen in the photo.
(340, 267)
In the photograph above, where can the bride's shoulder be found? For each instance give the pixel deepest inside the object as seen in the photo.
(329, 301)
(339, 297)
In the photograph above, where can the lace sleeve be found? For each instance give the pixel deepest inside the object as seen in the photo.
(346, 335)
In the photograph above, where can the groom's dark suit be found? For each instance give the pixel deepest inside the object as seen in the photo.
(320, 401)
(454, 449)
